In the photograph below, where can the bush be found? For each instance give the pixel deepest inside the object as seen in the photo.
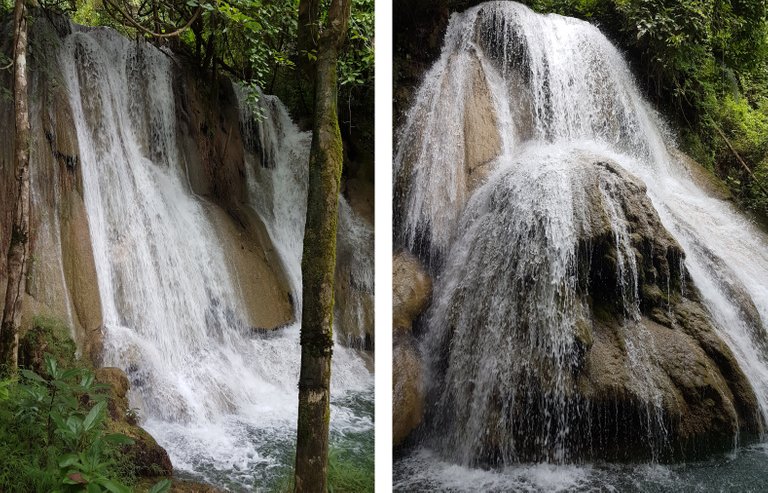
(47, 335)
(52, 434)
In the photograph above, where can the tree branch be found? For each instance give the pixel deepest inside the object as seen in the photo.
(133, 22)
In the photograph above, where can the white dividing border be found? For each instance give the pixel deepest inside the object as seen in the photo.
(383, 246)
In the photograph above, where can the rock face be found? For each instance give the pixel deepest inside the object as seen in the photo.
(354, 280)
(407, 389)
(576, 333)
(704, 398)
(411, 291)
(62, 277)
(482, 142)
(62, 280)
(412, 288)
(213, 149)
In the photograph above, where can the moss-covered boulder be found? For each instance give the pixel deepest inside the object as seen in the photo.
(146, 457)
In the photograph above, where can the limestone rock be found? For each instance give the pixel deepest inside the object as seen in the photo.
(704, 398)
(482, 142)
(411, 290)
(354, 281)
(642, 376)
(407, 389)
(255, 266)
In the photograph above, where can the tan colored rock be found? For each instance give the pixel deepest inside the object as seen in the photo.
(482, 142)
(407, 389)
(353, 312)
(80, 275)
(255, 266)
(411, 290)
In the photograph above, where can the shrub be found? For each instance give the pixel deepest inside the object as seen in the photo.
(52, 434)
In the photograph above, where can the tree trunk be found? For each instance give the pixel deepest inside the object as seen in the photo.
(307, 47)
(319, 262)
(18, 249)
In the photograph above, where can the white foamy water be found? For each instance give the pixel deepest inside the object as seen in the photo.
(222, 402)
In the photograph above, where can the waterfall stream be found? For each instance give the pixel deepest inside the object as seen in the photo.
(491, 193)
(221, 401)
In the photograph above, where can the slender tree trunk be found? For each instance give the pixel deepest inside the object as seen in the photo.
(307, 47)
(319, 262)
(18, 249)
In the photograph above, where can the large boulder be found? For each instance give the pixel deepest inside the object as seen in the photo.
(568, 326)
(411, 290)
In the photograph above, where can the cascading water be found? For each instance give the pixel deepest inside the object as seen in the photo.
(220, 400)
(275, 192)
(497, 182)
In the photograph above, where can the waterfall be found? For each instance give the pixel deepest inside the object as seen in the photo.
(278, 193)
(493, 173)
(220, 400)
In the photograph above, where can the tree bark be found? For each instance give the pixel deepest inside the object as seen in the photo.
(319, 262)
(18, 250)
(307, 47)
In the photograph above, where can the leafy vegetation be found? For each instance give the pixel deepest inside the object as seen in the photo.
(704, 63)
(47, 335)
(54, 433)
(53, 437)
(253, 41)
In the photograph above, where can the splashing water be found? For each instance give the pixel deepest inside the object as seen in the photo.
(490, 193)
(222, 402)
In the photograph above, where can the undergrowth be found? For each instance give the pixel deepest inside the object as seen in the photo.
(53, 435)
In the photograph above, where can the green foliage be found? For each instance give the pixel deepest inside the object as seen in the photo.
(52, 433)
(356, 71)
(47, 335)
(356, 62)
(253, 41)
(746, 124)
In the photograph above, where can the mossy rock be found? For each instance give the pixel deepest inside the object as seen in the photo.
(148, 459)
(47, 336)
(118, 384)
